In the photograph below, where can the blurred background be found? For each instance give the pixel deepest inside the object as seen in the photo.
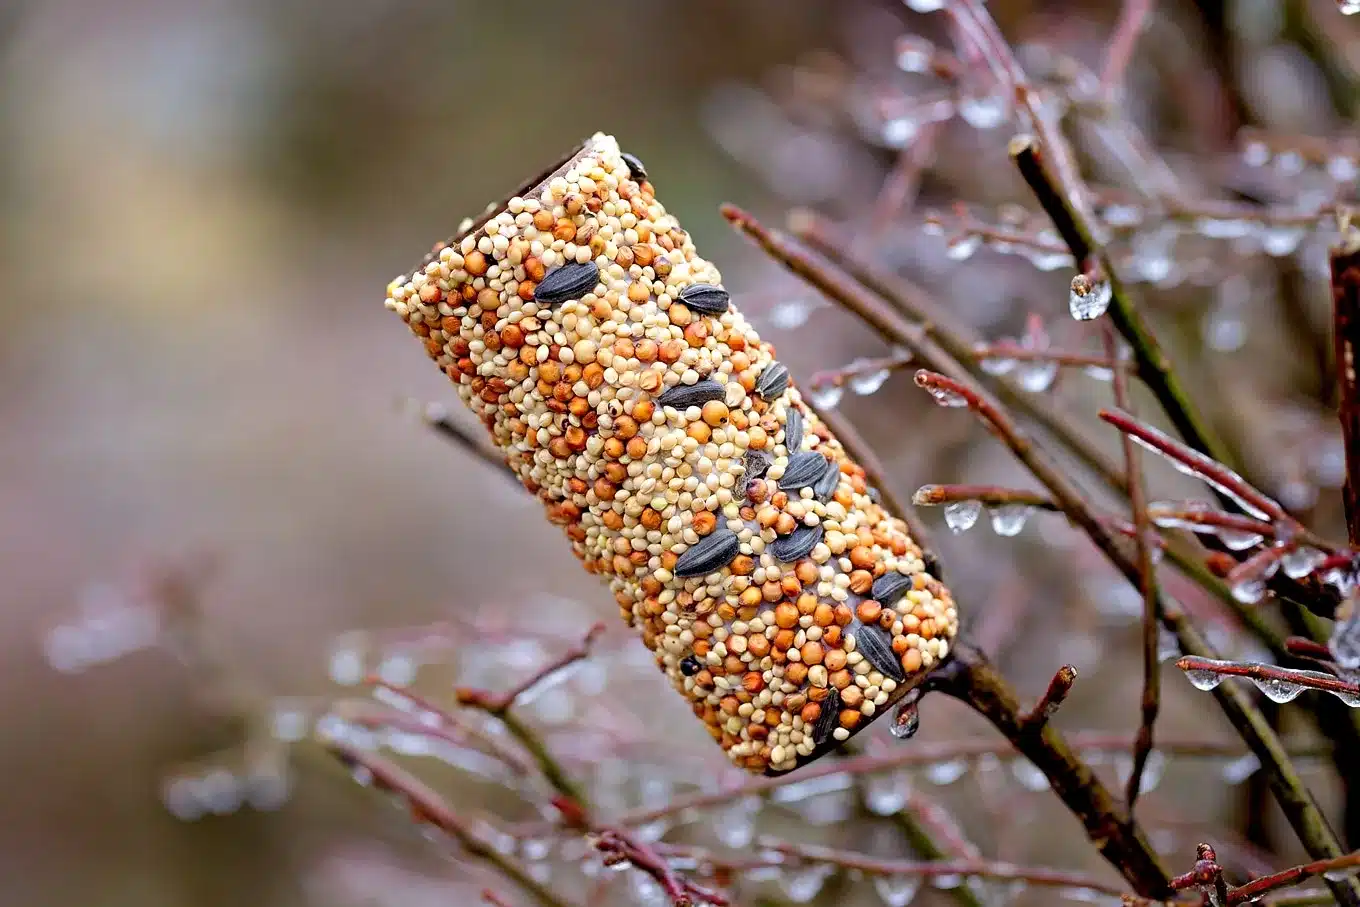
(200, 205)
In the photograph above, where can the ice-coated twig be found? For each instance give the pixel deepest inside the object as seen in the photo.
(1282, 678)
(987, 869)
(619, 846)
(429, 808)
(1150, 702)
(500, 706)
(1133, 16)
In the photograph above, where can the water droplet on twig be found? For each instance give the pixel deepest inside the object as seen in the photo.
(1277, 690)
(1009, 519)
(1089, 299)
(961, 515)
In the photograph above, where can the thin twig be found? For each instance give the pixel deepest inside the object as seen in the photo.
(1313, 680)
(429, 807)
(618, 845)
(1037, 876)
(1292, 876)
(437, 417)
(1132, 17)
(1047, 706)
(500, 705)
(1150, 702)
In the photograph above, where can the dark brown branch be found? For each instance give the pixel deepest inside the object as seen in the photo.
(435, 416)
(971, 678)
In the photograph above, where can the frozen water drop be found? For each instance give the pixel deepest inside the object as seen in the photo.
(898, 132)
(1036, 376)
(398, 670)
(1168, 646)
(947, 397)
(790, 314)
(961, 515)
(826, 397)
(886, 794)
(1050, 261)
(1281, 240)
(1277, 690)
(1256, 154)
(219, 791)
(68, 648)
(1087, 299)
(288, 722)
(1349, 697)
(1249, 591)
(897, 891)
(1029, 775)
(1302, 561)
(925, 6)
(1099, 373)
(347, 667)
(1240, 769)
(865, 383)
(803, 884)
(1009, 519)
(963, 247)
(180, 796)
(736, 827)
(914, 54)
(1223, 227)
(1345, 643)
(1342, 169)
(1152, 770)
(1235, 539)
(948, 882)
(1202, 679)
(985, 111)
(1340, 875)
(997, 366)
(945, 773)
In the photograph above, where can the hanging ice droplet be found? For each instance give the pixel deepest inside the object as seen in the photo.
(1089, 299)
(886, 794)
(1029, 775)
(865, 383)
(790, 314)
(1281, 240)
(907, 717)
(1277, 690)
(914, 53)
(1168, 646)
(1345, 872)
(1223, 227)
(1050, 261)
(736, 827)
(898, 132)
(960, 516)
(1202, 679)
(1249, 591)
(1349, 697)
(1238, 770)
(997, 366)
(68, 648)
(398, 670)
(945, 773)
(1009, 519)
(1099, 373)
(1302, 561)
(826, 397)
(925, 6)
(984, 111)
(1342, 169)
(1348, 7)
(347, 663)
(1236, 539)
(803, 884)
(1345, 641)
(1152, 770)
(897, 891)
(1036, 376)
(963, 247)
(947, 397)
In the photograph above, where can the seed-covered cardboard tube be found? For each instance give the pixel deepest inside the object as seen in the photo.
(605, 358)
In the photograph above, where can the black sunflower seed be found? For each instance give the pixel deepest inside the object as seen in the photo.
(875, 644)
(773, 381)
(829, 718)
(705, 298)
(683, 396)
(712, 552)
(889, 588)
(826, 485)
(804, 468)
(793, 429)
(689, 666)
(797, 544)
(635, 168)
(571, 281)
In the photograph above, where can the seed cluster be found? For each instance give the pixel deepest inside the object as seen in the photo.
(606, 360)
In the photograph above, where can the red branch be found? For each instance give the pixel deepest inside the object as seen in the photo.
(1313, 680)
(1051, 701)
